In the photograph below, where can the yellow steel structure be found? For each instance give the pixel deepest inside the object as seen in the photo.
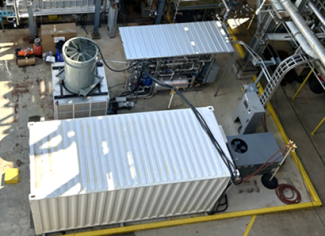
(251, 21)
(315, 203)
(294, 97)
(303, 83)
(320, 123)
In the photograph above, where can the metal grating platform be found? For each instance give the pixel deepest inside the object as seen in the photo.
(68, 105)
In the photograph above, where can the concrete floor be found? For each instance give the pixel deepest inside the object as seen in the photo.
(26, 95)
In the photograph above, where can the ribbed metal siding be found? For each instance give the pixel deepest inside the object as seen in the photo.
(110, 169)
(53, 7)
(174, 40)
(126, 205)
(41, 4)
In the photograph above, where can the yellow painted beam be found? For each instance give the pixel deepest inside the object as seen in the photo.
(250, 23)
(239, 48)
(301, 206)
(320, 123)
(303, 83)
(317, 202)
(170, 223)
(249, 226)
(294, 155)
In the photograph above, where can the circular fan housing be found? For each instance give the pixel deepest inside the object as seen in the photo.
(239, 145)
(80, 55)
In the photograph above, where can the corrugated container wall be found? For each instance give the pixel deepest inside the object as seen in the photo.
(110, 169)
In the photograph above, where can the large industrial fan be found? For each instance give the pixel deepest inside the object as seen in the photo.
(79, 83)
(79, 74)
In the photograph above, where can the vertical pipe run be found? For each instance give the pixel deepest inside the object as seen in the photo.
(104, 9)
(160, 11)
(16, 13)
(95, 34)
(112, 18)
(3, 28)
(224, 74)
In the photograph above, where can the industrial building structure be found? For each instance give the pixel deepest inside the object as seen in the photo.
(156, 117)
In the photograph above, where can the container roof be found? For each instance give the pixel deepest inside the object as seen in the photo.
(70, 157)
(174, 40)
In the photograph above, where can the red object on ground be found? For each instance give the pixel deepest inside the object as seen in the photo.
(25, 52)
(37, 50)
(37, 47)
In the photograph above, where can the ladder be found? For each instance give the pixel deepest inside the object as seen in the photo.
(283, 68)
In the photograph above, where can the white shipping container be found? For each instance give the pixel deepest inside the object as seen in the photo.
(103, 170)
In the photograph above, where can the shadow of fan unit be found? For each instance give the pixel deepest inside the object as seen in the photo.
(251, 151)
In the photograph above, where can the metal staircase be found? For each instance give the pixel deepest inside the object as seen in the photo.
(283, 68)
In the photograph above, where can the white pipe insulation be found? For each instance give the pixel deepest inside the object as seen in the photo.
(301, 40)
(309, 35)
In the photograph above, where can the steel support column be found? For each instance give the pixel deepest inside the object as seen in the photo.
(112, 18)
(224, 73)
(31, 22)
(3, 28)
(300, 4)
(104, 9)
(259, 40)
(244, 68)
(96, 34)
(160, 11)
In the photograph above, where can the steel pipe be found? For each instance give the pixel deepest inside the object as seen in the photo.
(317, 12)
(301, 40)
(309, 35)
(226, 5)
(180, 83)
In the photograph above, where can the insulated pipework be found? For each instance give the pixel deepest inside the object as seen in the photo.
(309, 35)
